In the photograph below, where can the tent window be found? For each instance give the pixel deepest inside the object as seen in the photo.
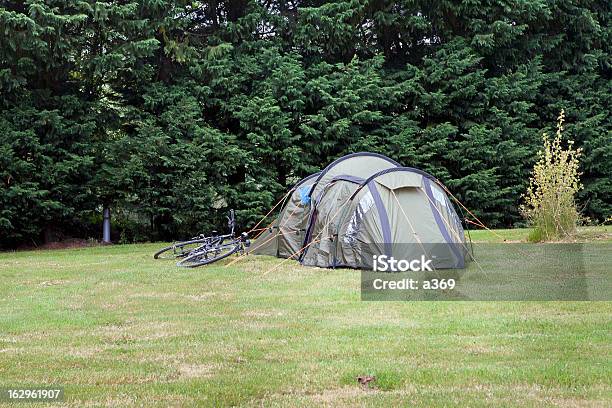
(365, 204)
(439, 195)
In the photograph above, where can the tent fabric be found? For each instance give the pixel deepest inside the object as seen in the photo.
(394, 181)
(363, 164)
(285, 235)
(363, 205)
(322, 227)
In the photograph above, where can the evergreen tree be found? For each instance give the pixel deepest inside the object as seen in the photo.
(171, 112)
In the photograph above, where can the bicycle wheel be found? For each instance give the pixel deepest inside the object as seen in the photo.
(179, 249)
(210, 255)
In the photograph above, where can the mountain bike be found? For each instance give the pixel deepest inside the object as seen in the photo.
(212, 253)
(219, 247)
(182, 249)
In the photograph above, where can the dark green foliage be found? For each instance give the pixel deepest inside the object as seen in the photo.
(172, 112)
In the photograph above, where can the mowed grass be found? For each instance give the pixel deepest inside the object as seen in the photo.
(117, 328)
(583, 234)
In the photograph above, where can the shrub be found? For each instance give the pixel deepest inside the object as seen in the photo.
(550, 204)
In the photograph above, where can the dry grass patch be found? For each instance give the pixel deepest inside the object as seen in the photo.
(189, 371)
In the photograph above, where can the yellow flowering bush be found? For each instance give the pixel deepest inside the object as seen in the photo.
(550, 204)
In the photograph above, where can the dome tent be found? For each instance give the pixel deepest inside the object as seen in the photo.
(286, 235)
(400, 212)
(365, 204)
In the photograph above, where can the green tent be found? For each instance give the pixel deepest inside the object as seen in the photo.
(363, 205)
(285, 236)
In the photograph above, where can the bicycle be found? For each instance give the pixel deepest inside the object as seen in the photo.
(221, 247)
(182, 249)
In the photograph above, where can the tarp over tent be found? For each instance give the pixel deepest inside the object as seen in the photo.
(362, 205)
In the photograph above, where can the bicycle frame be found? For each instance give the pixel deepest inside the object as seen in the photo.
(203, 242)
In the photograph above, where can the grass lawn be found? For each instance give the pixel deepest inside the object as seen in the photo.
(584, 234)
(115, 327)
